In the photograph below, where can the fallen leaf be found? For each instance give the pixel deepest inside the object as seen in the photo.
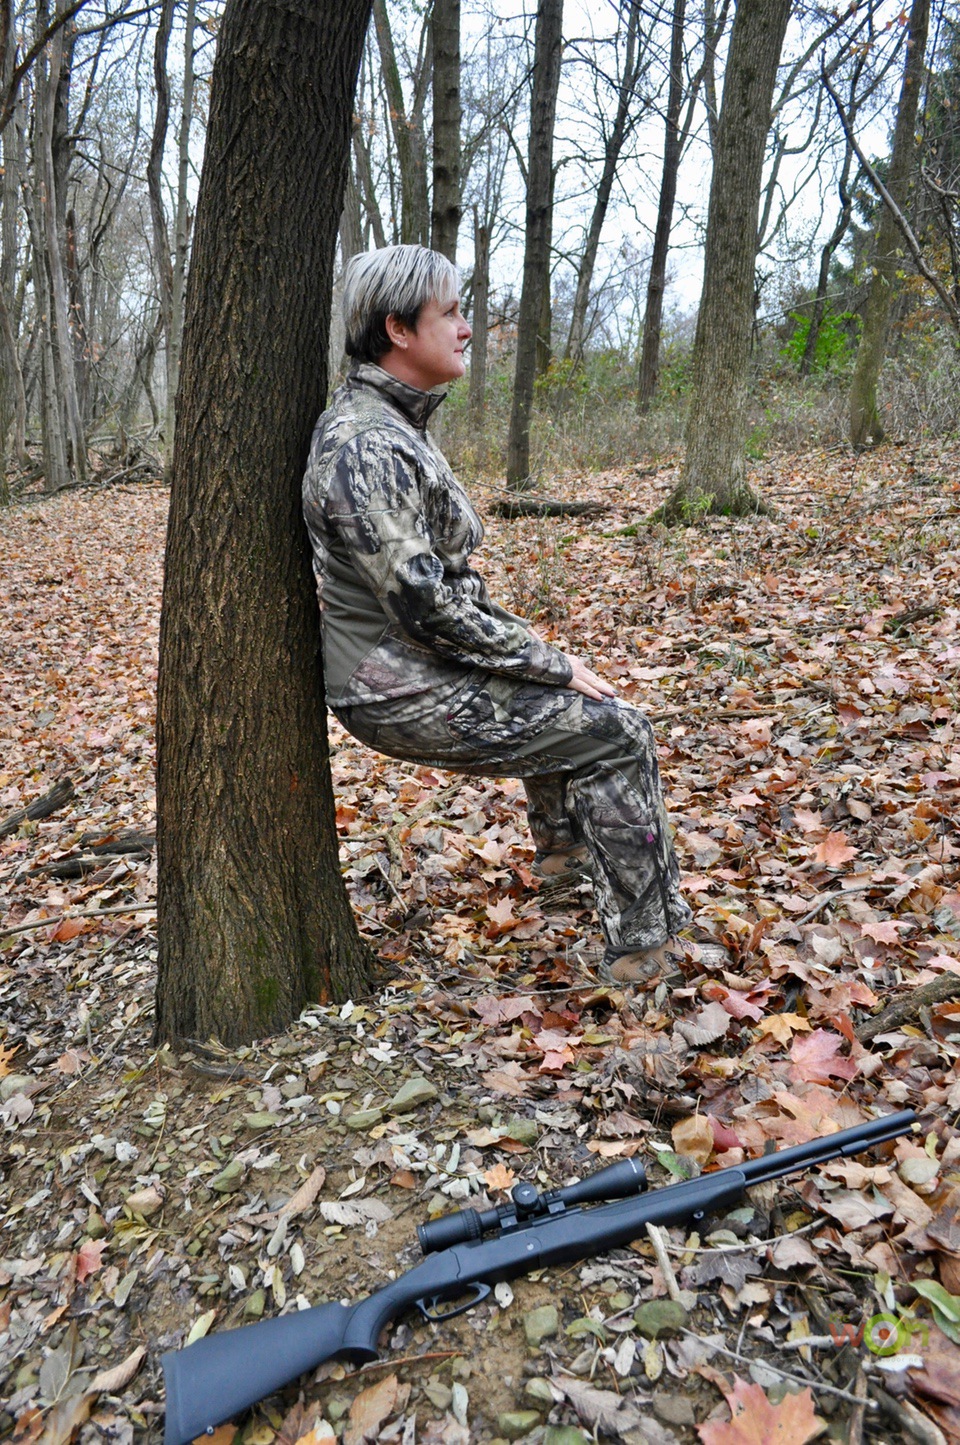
(372, 1407)
(89, 1258)
(111, 1382)
(755, 1421)
(834, 851)
(694, 1137)
(816, 1058)
(500, 1177)
(710, 1024)
(782, 1027)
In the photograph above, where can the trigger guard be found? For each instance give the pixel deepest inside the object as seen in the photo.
(428, 1305)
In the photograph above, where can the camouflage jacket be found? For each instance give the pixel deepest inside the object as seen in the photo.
(392, 532)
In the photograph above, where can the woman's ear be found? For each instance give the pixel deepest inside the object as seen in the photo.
(396, 331)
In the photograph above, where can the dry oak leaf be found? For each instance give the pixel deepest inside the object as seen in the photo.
(6, 1059)
(694, 1137)
(816, 1058)
(755, 1421)
(710, 1024)
(834, 851)
(372, 1407)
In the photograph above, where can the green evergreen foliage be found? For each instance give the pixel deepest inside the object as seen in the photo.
(836, 340)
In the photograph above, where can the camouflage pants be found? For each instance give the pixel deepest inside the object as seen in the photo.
(590, 773)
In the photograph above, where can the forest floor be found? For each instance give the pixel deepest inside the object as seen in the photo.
(803, 674)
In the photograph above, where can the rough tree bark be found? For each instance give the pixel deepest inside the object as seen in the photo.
(253, 916)
(548, 47)
(445, 215)
(714, 471)
(657, 281)
(866, 427)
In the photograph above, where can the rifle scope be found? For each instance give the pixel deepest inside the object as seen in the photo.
(617, 1181)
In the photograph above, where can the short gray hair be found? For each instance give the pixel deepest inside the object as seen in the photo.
(393, 281)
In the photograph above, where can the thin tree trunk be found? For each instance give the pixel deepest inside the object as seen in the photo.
(657, 281)
(866, 428)
(64, 446)
(253, 917)
(714, 472)
(479, 319)
(161, 238)
(826, 256)
(181, 241)
(13, 402)
(414, 206)
(548, 49)
(445, 216)
(368, 194)
(623, 123)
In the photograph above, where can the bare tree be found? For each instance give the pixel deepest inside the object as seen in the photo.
(625, 118)
(865, 423)
(445, 213)
(713, 477)
(548, 48)
(407, 130)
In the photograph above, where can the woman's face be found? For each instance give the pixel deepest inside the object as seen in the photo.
(432, 354)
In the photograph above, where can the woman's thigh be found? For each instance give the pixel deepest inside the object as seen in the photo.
(502, 728)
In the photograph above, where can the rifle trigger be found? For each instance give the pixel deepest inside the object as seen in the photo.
(428, 1305)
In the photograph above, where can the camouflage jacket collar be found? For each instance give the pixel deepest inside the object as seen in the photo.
(417, 406)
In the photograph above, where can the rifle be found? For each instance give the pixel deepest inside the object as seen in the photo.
(465, 1253)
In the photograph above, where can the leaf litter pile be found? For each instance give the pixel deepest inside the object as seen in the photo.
(802, 673)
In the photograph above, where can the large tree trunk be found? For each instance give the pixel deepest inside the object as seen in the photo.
(865, 425)
(445, 215)
(623, 123)
(714, 472)
(548, 48)
(657, 281)
(253, 916)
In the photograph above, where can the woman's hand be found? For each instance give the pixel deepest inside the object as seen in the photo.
(585, 680)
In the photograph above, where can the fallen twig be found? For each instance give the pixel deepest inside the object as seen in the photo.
(54, 798)
(59, 918)
(783, 1374)
(903, 1010)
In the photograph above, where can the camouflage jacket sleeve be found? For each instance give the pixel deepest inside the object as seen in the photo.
(407, 535)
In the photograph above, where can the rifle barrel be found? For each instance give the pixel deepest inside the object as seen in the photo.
(832, 1146)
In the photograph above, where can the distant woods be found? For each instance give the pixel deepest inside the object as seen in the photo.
(640, 218)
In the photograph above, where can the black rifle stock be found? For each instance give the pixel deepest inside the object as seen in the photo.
(217, 1377)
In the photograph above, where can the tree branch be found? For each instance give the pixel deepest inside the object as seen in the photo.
(903, 225)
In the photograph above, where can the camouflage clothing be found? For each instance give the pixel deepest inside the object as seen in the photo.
(422, 666)
(392, 533)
